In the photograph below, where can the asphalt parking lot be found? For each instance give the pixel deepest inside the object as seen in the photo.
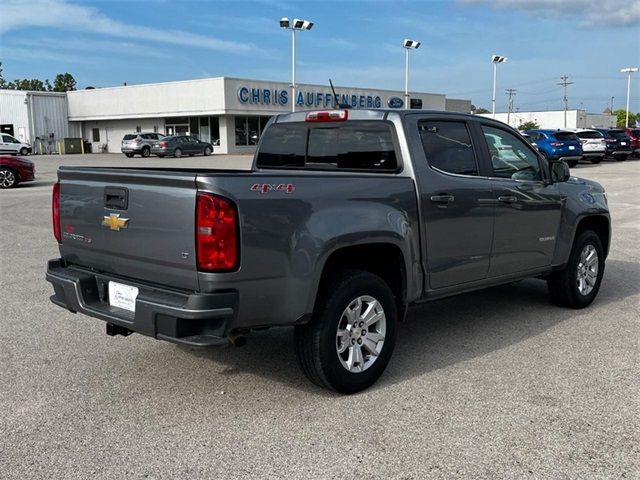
(494, 384)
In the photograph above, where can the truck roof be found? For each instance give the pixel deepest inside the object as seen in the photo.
(368, 114)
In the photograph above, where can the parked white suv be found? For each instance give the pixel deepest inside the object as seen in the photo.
(593, 144)
(10, 144)
(139, 143)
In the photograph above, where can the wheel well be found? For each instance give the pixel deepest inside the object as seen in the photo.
(598, 224)
(382, 259)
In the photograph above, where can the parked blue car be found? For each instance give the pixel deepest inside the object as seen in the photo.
(558, 145)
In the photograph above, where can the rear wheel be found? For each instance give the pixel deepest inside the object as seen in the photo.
(596, 159)
(128, 155)
(349, 341)
(572, 163)
(207, 151)
(621, 158)
(24, 151)
(177, 152)
(8, 178)
(577, 285)
(146, 152)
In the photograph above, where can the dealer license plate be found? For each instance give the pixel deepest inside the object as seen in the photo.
(123, 296)
(571, 147)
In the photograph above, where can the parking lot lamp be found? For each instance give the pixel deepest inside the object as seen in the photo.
(408, 45)
(628, 71)
(296, 25)
(495, 59)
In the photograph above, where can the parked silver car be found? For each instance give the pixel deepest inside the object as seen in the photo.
(139, 143)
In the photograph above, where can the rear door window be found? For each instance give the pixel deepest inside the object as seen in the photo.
(448, 147)
(353, 145)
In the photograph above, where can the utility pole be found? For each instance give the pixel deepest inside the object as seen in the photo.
(565, 84)
(512, 93)
(611, 108)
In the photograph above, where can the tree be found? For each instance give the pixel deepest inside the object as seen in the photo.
(529, 125)
(621, 117)
(64, 82)
(481, 110)
(28, 84)
(3, 82)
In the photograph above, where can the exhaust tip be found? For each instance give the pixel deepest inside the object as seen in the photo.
(237, 339)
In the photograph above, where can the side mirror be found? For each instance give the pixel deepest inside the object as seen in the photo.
(560, 172)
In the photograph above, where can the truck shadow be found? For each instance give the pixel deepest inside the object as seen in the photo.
(437, 334)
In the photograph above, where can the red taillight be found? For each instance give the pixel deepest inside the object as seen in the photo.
(610, 140)
(55, 212)
(164, 144)
(556, 144)
(328, 116)
(216, 233)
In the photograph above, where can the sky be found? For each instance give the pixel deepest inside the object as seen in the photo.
(356, 43)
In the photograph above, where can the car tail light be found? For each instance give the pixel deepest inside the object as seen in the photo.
(610, 140)
(556, 144)
(164, 144)
(55, 212)
(328, 116)
(216, 233)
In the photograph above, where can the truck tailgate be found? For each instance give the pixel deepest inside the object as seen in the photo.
(130, 222)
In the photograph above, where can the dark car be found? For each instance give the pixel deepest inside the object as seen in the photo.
(634, 135)
(179, 145)
(14, 170)
(557, 145)
(618, 143)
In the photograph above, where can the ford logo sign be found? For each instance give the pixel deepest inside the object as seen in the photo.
(395, 102)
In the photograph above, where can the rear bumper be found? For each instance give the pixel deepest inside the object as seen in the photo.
(189, 318)
(160, 151)
(130, 150)
(593, 153)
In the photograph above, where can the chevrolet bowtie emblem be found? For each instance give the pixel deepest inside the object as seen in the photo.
(114, 222)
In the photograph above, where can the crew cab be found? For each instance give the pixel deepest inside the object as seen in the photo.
(346, 220)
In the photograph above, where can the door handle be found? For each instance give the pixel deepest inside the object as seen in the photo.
(507, 199)
(442, 198)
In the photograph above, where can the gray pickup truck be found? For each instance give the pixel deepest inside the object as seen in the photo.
(347, 218)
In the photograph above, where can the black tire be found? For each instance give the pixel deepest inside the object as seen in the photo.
(572, 163)
(8, 177)
(177, 152)
(24, 151)
(160, 156)
(146, 152)
(207, 151)
(595, 160)
(563, 284)
(128, 155)
(191, 154)
(316, 342)
(621, 158)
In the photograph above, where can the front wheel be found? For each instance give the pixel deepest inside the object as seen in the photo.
(349, 341)
(207, 151)
(577, 285)
(177, 152)
(8, 178)
(146, 152)
(572, 163)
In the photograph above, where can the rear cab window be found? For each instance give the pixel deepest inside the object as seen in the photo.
(447, 146)
(363, 145)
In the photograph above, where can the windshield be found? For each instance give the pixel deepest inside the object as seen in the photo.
(566, 136)
(617, 134)
(590, 134)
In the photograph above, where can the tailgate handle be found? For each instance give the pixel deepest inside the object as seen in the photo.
(116, 198)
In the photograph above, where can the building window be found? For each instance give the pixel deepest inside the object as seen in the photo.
(96, 134)
(155, 129)
(214, 131)
(194, 128)
(138, 129)
(249, 129)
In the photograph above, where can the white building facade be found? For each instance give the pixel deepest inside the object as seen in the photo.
(555, 119)
(231, 113)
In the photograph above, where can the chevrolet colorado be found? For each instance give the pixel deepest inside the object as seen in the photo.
(347, 218)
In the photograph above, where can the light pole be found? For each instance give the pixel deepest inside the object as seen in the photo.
(628, 71)
(495, 59)
(408, 45)
(296, 25)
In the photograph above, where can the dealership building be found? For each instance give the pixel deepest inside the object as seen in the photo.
(228, 112)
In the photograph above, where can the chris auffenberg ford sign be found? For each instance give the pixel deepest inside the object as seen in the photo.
(264, 96)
